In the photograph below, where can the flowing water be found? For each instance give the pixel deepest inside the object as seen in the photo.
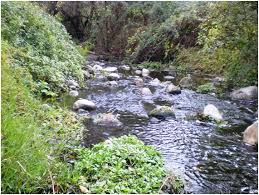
(211, 158)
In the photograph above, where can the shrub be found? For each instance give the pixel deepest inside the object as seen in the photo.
(121, 165)
(152, 65)
(206, 88)
(46, 49)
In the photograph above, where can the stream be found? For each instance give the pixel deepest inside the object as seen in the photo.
(210, 158)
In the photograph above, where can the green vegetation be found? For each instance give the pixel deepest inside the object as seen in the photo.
(206, 88)
(45, 48)
(121, 165)
(39, 139)
(215, 37)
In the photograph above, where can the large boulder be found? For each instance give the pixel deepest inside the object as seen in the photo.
(246, 93)
(97, 68)
(162, 111)
(146, 91)
(212, 111)
(186, 82)
(109, 120)
(145, 72)
(251, 134)
(84, 104)
(171, 88)
(113, 76)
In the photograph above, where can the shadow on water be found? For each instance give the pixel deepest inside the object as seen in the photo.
(211, 159)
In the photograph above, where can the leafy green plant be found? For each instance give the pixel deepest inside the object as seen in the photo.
(45, 48)
(152, 65)
(120, 165)
(206, 88)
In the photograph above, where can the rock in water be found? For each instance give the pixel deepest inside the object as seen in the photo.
(71, 83)
(73, 93)
(138, 81)
(251, 134)
(155, 82)
(162, 111)
(169, 78)
(138, 72)
(113, 76)
(108, 120)
(111, 69)
(145, 72)
(173, 89)
(125, 67)
(84, 104)
(146, 91)
(186, 82)
(246, 93)
(213, 112)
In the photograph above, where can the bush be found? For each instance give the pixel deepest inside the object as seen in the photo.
(46, 49)
(121, 165)
(206, 88)
(152, 65)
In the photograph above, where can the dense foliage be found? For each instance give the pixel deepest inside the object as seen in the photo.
(45, 48)
(216, 37)
(121, 165)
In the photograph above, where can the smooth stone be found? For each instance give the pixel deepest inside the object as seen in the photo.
(73, 93)
(113, 83)
(87, 75)
(162, 111)
(145, 72)
(146, 91)
(72, 83)
(213, 112)
(125, 67)
(171, 88)
(108, 119)
(155, 82)
(138, 72)
(113, 76)
(111, 69)
(169, 78)
(251, 134)
(246, 93)
(84, 104)
(138, 81)
(97, 67)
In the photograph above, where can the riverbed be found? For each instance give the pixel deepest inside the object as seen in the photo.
(210, 157)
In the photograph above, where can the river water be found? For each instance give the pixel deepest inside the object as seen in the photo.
(210, 158)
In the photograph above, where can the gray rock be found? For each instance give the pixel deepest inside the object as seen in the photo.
(72, 87)
(162, 111)
(111, 69)
(109, 120)
(155, 82)
(169, 78)
(138, 72)
(139, 81)
(113, 83)
(125, 67)
(84, 104)
(171, 88)
(72, 83)
(73, 93)
(186, 82)
(113, 76)
(96, 68)
(87, 75)
(145, 72)
(251, 134)
(213, 112)
(246, 93)
(146, 91)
